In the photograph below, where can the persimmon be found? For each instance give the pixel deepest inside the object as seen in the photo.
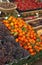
(20, 25)
(5, 22)
(25, 47)
(29, 46)
(40, 48)
(33, 53)
(10, 18)
(20, 34)
(37, 48)
(41, 37)
(11, 24)
(7, 25)
(16, 26)
(34, 37)
(33, 41)
(17, 40)
(15, 30)
(21, 44)
(20, 31)
(24, 37)
(31, 50)
(31, 36)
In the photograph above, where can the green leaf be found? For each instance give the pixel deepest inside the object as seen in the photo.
(38, 40)
(15, 33)
(24, 29)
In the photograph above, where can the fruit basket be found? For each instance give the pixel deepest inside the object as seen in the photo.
(7, 7)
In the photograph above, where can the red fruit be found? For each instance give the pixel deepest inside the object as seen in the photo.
(28, 4)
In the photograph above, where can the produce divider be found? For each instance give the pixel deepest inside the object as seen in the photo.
(31, 12)
(34, 19)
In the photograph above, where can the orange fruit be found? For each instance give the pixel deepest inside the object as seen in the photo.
(37, 48)
(31, 50)
(10, 18)
(17, 40)
(23, 33)
(30, 47)
(25, 47)
(21, 44)
(7, 25)
(11, 23)
(16, 26)
(5, 21)
(28, 44)
(31, 36)
(20, 34)
(12, 30)
(22, 39)
(33, 53)
(15, 30)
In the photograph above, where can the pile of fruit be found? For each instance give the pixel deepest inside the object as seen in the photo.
(28, 4)
(24, 34)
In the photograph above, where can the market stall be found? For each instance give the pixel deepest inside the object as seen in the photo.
(21, 32)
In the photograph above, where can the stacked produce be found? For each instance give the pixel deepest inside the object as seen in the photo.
(24, 5)
(24, 34)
